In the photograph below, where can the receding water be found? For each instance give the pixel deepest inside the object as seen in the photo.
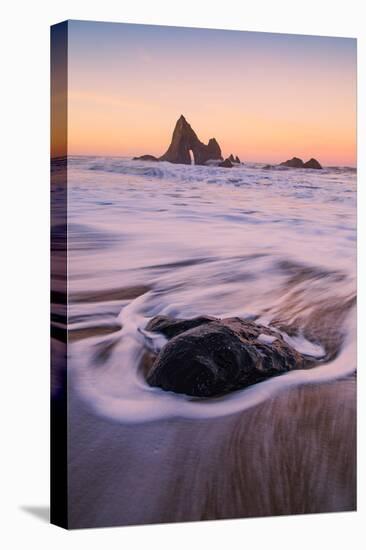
(274, 245)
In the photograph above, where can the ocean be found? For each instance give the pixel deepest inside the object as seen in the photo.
(271, 244)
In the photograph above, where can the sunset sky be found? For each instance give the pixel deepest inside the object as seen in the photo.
(264, 97)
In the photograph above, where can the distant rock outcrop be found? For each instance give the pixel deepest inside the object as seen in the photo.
(146, 157)
(313, 163)
(227, 163)
(184, 141)
(234, 160)
(295, 162)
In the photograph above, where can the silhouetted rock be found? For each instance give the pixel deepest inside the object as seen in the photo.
(226, 163)
(206, 357)
(295, 162)
(185, 140)
(234, 160)
(146, 157)
(213, 150)
(267, 167)
(313, 163)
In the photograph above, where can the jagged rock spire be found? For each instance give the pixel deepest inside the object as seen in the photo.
(183, 141)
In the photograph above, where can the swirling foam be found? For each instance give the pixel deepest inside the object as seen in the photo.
(117, 390)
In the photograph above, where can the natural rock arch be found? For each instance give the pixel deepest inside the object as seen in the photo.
(183, 141)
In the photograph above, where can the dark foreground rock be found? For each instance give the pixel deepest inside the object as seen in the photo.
(295, 162)
(206, 357)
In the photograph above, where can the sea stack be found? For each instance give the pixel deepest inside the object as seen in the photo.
(232, 159)
(185, 140)
(296, 162)
(227, 163)
(313, 163)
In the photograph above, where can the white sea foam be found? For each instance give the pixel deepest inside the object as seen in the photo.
(248, 242)
(303, 345)
(266, 339)
(119, 392)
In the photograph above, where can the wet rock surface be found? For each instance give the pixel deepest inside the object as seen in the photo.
(172, 327)
(208, 357)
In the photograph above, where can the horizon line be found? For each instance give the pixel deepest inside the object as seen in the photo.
(59, 157)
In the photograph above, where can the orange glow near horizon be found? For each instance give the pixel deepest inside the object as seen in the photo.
(257, 96)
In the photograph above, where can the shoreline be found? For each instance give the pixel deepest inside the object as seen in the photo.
(292, 454)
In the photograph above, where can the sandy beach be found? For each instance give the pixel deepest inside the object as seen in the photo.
(293, 454)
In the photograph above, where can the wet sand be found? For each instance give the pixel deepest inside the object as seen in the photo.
(292, 454)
